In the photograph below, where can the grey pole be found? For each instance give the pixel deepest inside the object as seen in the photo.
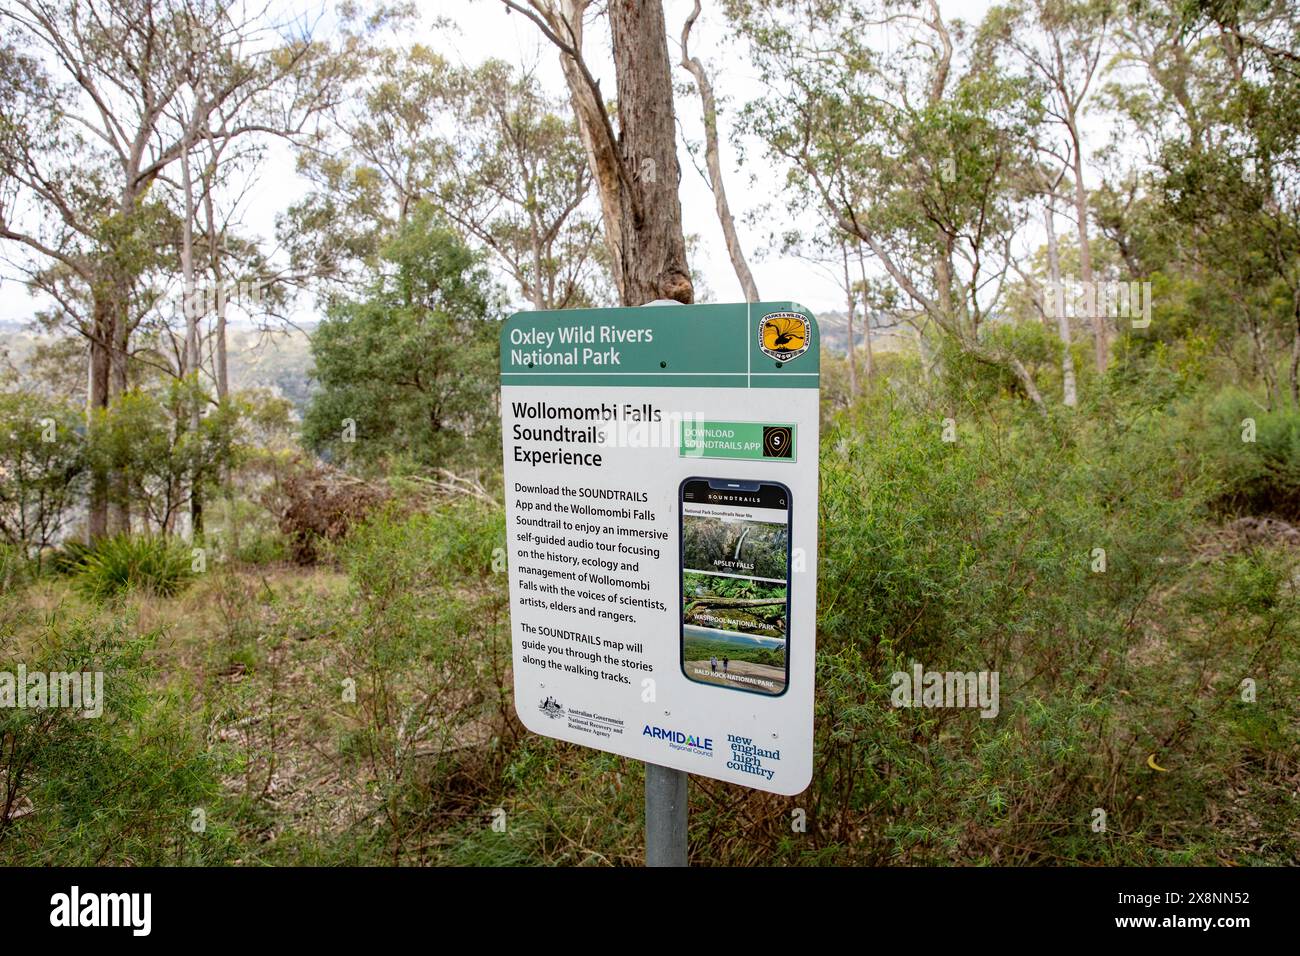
(665, 816)
(665, 796)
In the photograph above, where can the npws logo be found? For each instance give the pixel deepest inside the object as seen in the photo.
(783, 335)
(103, 909)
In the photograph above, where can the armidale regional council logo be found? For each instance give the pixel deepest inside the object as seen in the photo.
(783, 335)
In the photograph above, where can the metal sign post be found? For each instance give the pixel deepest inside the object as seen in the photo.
(665, 816)
(666, 795)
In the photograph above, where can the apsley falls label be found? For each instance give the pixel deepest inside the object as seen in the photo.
(661, 522)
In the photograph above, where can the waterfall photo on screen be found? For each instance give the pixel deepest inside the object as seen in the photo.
(735, 599)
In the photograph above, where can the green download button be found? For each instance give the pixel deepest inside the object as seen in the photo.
(749, 441)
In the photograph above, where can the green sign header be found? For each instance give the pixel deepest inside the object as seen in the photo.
(744, 345)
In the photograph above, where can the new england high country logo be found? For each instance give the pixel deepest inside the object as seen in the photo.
(680, 741)
(783, 335)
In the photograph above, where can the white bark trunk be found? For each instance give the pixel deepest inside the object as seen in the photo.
(713, 162)
(1069, 385)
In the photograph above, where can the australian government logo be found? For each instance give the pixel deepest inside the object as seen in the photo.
(552, 708)
(690, 743)
(784, 335)
(596, 725)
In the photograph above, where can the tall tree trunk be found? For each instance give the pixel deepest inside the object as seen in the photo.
(101, 340)
(653, 254)
(943, 286)
(219, 358)
(851, 300)
(1100, 333)
(535, 239)
(119, 507)
(635, 171)
(221, 368)
(923, 349)
(190, 365)
(1069, 386)
(713, 163)
(1263, 361)
(602, 153)
(866, 315)
(190, 360)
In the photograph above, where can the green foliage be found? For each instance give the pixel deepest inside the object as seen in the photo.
(114, 789)
(263, 548)
(42, 468)
(702, 650)
(1259, 453)
(149, 563)
(68, 557)
(926, 163)
(411, 364)
(13, 567)
(980, 555)
(147, 439)
(427, 646)
(488, 145)
(731, 587)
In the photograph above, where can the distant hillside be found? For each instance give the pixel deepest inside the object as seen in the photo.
(835, 334)
(16, 345)
(280, 361)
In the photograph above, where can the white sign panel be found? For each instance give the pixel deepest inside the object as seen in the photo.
(661, 517)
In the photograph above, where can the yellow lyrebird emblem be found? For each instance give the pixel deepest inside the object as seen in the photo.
(783, 335)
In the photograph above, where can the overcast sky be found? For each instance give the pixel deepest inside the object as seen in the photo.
(483, 28)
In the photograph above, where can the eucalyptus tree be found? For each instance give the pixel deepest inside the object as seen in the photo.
(84, 142)
(95, 121)
(635, 168)
(717, 182)
(484, 144)
(1059, 45)
(1250, 191)
(919, 152)
(1215, 203)
(520, 185)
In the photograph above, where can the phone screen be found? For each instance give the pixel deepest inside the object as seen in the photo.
(735, 584)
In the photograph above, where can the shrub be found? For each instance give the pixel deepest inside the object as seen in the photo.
(42, 468)
(320, 506)
(13, 567)
(262, 548)
(426, 640)
(114, 790)
(981, 554)
(150, 563)
(381, 361)
(68, 557)
(1260, 476)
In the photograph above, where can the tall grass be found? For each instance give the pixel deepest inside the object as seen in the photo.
(151, 563)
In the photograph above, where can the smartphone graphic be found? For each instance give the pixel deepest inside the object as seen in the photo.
(735, 583)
